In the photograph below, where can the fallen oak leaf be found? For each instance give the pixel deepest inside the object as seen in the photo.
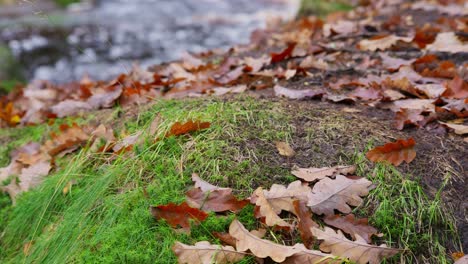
(205, 253)
(328, 194)
(285, 149)
(260, 247)
(457, 88)
(69, 139)
(458, 129)
(352, 226)
(313, 174)
(447, 42)
(281, 198)
(267, 211)
(394, 152)
(178, 128)
(297, 94)
(286, 53)
(358, 251)
(305, 223)
(177, 215)
(381, 42)
(408, 117)
(220, 200)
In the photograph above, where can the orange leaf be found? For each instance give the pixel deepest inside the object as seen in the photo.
(188, 127)
(277, 57)
(178, 215)
(394, 152)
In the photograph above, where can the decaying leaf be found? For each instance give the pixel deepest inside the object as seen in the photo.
(305, 223)
(178, 215)
(447, 42)
(281, 198)
(381, 43)
(358, 251)
(178, 128)
(286, 53)
(458, 129)
(268, 211)
(394, 152)
(298, 94)
(352, 226)
(68, 140)
(313, 174)
(328, 194)
(215, 200)
(205, 253)
(408, 117)
(260, 247)
(285, 149)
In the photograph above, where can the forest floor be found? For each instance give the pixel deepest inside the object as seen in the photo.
(350, 84)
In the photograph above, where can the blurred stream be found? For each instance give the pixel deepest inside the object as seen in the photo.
(105, 39)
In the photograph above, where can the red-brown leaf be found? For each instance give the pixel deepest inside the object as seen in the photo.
(408, 117)
(305, 223)
(394, 152)
(352, 226)
(277, 57)
(220, 200)
(456, 89)
(178, 215)
(187, 127)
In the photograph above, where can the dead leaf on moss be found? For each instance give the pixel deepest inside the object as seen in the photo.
(313, 174)
(205, 253)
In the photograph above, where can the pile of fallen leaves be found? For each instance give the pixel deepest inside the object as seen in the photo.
(408, 57)
(293, 209)
(32, 162)
(321, 192)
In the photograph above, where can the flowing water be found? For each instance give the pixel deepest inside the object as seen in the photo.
(108, 37)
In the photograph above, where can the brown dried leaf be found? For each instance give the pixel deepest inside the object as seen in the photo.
(187, 127)
(358, 251)
(381, 43)
(447, 42)
(220, 200)
(394, 152)
(305, 223)
(260, 247)
(268, 211)
(205, 253)
(297, 94)
(285, 149)
(456, 88)
(281, 198)
(352, 226)
(328, 195)
(178, 215)
(408, 117)
(458, 129)
(70, 138)
(313, 174)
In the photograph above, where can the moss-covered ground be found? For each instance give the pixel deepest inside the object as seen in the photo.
(105, 218)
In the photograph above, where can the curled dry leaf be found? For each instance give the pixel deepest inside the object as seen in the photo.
(282, 198)
(285, 149)
(268, 211)
(447, 42)
(260, 247)
(313, 174)
(220, 200)
(178, 215)
(205, 253)
(458, 129)
(69, 139)
(328, 194)
(408, 117)
(394, 152)
(286, 53)
(358, 251)
(381, 43)
(298, 94)
(305, 223)
(352, 226)
(187, 127)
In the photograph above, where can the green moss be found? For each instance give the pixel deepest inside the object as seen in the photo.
(323, 8)
(105, 217)
(64, 3)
